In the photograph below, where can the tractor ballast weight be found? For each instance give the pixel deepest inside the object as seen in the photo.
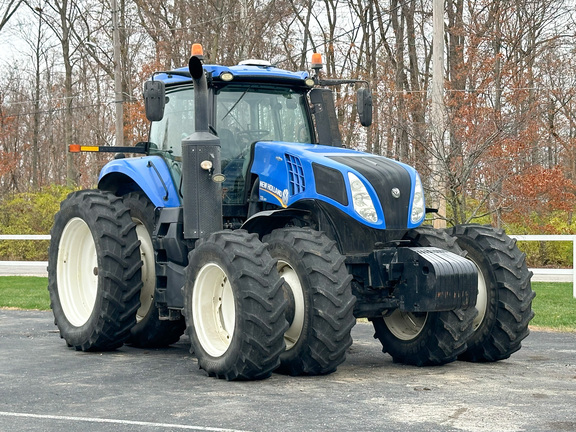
(266, 239)
(435, 272)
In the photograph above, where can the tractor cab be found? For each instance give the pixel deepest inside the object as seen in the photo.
(241, 115)
(241, 112)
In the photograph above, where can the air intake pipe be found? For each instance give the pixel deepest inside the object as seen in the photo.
(201, 195)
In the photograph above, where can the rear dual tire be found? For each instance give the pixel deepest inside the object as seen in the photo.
(149, 331)
(95, 271)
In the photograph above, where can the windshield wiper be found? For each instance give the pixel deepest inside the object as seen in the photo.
(236, 103)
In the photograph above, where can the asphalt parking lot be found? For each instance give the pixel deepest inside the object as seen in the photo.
(45, 386)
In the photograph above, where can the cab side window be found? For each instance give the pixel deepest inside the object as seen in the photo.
(178, 122)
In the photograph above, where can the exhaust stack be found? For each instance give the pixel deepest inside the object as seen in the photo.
(202, 196)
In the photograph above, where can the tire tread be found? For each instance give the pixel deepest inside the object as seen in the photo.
(117, 243)
(507, 323)
(260, 336)
(331, 300)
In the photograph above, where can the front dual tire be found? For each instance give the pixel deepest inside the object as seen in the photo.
(317, 287)
(252, 309)
(426, 338)
(234, 307)
(492, 330)
(504, 293)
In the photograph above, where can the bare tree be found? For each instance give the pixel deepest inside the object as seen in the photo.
(7, 9)
(509, 82)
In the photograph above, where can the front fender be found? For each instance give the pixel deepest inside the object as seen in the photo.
(265, 222)
(149, 174)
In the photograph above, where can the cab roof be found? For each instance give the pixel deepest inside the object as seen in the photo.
(261, 73)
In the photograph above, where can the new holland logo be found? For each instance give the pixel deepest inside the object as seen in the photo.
(280, 195)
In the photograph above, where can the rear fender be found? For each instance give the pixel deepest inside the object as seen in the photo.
(149, 174)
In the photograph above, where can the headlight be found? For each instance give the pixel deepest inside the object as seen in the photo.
(361, 199)
(418, 207)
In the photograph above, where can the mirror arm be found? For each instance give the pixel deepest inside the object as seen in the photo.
(333, 82)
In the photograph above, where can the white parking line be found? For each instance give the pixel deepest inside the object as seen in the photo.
(113, 421)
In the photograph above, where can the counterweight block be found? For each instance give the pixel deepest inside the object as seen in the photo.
(434, 279)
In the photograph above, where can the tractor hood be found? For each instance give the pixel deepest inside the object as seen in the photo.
(360, 184)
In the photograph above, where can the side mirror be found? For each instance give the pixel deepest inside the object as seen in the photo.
(154, 100)
(364, 105)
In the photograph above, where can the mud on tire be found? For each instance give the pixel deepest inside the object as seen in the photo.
(94, 271)
(320, 299)
(426, 339)
(234, 306)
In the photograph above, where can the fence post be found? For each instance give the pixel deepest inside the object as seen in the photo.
(574, 266)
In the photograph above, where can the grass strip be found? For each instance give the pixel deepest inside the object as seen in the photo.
(24, 292)
(554, 306)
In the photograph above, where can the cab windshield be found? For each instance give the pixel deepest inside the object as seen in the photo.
(245, 115)
(241, 116)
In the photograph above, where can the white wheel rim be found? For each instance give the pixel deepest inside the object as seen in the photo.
(148, 270)
(77, 272)
(290, 276)
(481, 299)
(405, 325)
(214, 310)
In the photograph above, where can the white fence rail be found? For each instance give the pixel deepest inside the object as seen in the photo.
(537, 271)
(32, 264)
(551, 271)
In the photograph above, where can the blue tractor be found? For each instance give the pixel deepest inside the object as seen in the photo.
(243, 222)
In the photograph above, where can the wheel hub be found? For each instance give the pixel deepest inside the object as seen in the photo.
(148, 270)
(214, 310)
(405, 325)
(291, 302)
(294, 293)
(77, 272)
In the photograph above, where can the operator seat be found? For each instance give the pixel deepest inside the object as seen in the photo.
(229, 147)
(232, 167)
